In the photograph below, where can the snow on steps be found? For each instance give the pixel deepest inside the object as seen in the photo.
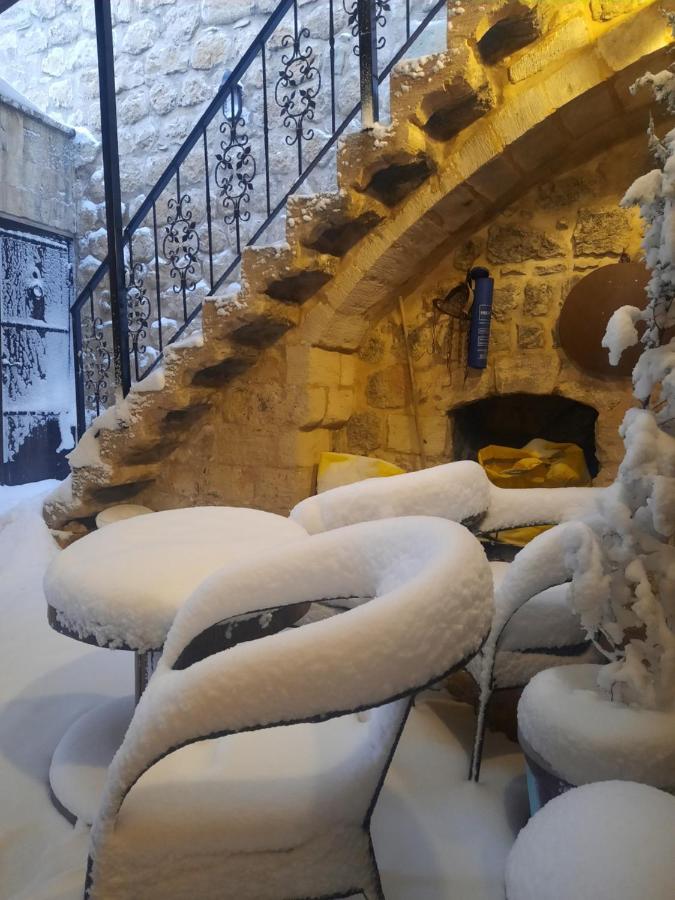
(399, 187)
(122, 450)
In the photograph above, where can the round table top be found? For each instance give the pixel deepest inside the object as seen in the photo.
(122, 586)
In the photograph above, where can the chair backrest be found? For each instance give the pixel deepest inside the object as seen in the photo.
(567, 552)
(520, 507)
(429, 606)
(459, 491)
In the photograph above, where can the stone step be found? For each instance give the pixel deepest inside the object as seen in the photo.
(254, 321)
(386, 163)
(331, 223)
(442, 93)
(284, 274)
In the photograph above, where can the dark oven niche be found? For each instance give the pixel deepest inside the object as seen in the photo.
(513, 420)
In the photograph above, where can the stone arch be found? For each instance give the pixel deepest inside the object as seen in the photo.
(564, 106)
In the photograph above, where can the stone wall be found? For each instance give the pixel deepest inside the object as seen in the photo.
(536, 249)
(259, 443)
(170, 59)
(36, 167)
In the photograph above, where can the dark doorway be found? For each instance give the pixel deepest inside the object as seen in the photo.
(36, 395)
(513, 420)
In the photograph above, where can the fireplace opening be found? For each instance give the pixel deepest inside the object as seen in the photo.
(512, 420)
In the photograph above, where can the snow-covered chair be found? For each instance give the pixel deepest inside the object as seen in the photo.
(612, 840)
(546, 631)
(247, 772)
(532, 590)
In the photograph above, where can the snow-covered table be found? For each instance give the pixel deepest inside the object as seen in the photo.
(120, 588)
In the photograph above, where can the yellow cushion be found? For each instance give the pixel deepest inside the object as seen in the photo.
(336, 469)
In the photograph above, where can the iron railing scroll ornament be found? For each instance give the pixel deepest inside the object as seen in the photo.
(227, 186)
(236, 168)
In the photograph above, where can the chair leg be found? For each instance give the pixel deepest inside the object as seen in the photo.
(373, 890)
(479, 734)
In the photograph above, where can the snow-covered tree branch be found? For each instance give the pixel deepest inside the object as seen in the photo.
(634, 606)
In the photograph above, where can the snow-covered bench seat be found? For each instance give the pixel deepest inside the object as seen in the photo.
(277, 803)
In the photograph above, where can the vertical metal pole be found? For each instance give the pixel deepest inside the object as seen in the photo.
(367, 21)
(76, 321)
(113, 196)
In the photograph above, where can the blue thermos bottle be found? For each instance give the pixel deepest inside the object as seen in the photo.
(481, 314)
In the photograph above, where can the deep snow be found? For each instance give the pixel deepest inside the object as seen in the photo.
(436, 835)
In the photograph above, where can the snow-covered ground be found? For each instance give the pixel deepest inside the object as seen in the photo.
(436, 835)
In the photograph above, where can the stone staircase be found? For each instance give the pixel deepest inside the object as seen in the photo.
(463, 138)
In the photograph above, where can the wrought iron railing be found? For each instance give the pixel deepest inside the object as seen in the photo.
(276, 117)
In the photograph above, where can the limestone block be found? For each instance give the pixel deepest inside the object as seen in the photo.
(194, 90)
(63, 31)
(442, 92)
(388, 388)
(364, 433)
(347, 369)
(133, 107)
(163, 98)
(538, 298)
(162, 60)
(61, 94)
(609, 9)
(281, 489)
(246, 445)
(229, 485)
(131, 75)
(225, 12)
(529, 373)
(568, 37)
(209, 50)
(401, 433)
(121, 11)
(467, 253)
(602, 232)
(509, 243)
(530, 337)
(54, 63)
(505, 301)
(339, 407)
(81, 55)
(312, 366)
(635, 36)
(519, 112)
(181, 22)
(454, 209)
(496, 178)
(501, 337)
(91, 215)
(143, 245)
(569, 83)
(591, 109)
(139, 36)
(89, 83)
(372, 349)
(435, 434)
(540, 145)
(303, 448)
(565, 191)
(149, 5)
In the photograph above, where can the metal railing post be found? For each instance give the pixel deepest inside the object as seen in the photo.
(367, 21)
(113, 196)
